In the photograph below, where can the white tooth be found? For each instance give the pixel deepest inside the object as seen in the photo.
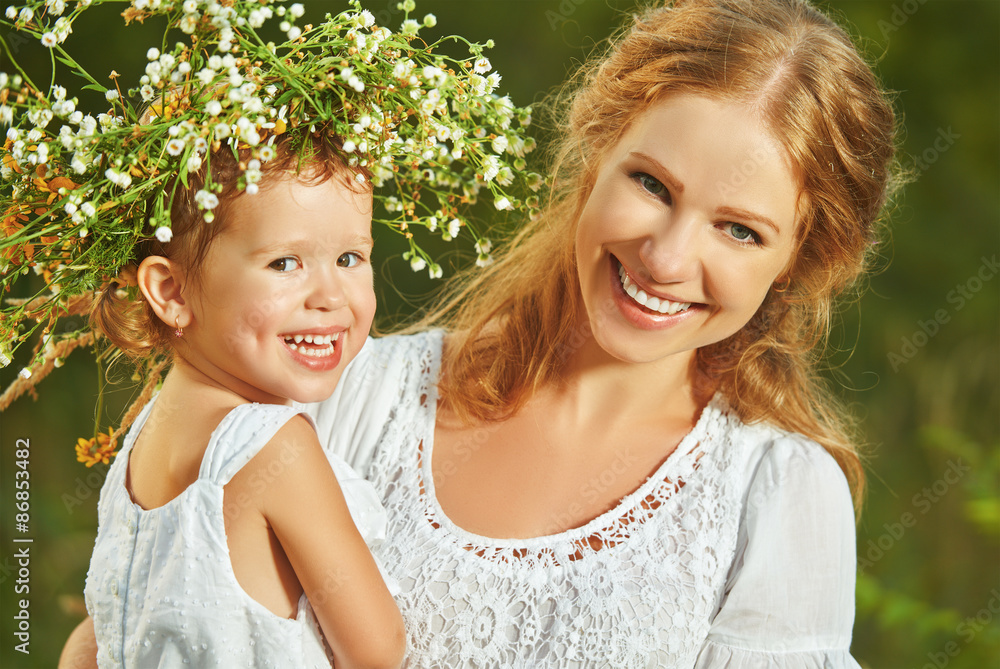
(326, 340)
(293, 347)
(631, 290)
(308, 338)
(653, 303)
(334, 336)
(641, 297)
(298, 339)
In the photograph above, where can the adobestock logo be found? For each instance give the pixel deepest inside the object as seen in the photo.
(958, 297)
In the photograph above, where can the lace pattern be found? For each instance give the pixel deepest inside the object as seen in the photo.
(637, 586)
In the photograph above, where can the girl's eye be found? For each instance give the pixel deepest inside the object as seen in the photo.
(651, 185)
(349, 259)
(743, 234)
(286, 264)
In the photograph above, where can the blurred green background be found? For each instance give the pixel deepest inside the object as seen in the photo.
(919, 356)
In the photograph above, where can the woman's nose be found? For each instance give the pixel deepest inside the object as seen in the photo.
(671, 252)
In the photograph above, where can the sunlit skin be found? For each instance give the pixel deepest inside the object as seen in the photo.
(698, 203)
(293, 260)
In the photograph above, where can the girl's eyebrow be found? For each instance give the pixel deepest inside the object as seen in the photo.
(285, 246)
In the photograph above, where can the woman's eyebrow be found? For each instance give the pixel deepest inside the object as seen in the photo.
(664, 174)
(749, 216)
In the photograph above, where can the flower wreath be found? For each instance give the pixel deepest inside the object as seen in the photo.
(78, 193)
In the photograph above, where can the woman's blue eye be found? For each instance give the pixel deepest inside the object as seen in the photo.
(286, 264)
(650, 184)
(348, 260)
(742, 233)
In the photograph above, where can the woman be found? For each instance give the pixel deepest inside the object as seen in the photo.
(609, 448)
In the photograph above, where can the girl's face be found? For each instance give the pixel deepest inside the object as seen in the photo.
(285, 298)
(691, 219)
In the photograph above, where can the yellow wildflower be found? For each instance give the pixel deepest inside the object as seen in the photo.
(100, 449)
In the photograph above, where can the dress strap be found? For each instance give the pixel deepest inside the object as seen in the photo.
(240, 436)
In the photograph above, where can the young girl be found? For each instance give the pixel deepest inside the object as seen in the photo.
(220, 515)
(245, 201)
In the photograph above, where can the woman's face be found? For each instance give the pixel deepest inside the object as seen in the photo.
(691, 219)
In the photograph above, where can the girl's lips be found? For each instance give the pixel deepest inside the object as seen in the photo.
(318, 351)
(642, 316)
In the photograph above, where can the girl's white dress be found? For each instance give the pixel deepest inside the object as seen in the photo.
(161, 588)
(737, 553)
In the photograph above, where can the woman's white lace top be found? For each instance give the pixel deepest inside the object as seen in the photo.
(738, 552)
(161, 587)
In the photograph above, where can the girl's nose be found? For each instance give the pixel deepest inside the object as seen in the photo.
(326, 291)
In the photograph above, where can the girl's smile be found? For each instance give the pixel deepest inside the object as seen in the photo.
(285, 298)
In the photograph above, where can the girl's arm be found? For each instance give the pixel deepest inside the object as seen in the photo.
(80, 651)
(306, 509)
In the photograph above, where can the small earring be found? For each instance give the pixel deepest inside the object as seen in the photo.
(179, 332)
(784, 283)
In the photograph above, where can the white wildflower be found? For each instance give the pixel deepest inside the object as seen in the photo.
(222, 130)
(122, 179)
(213, 107)
(484, 261)
(499, 144)
(56, 7)
(26, 15)
(365, 19)
(483, 246)
(482, 66)
(206, 199)
(503, 203)
(193, 162)
(252, 189)
(206, 76)
(435, 271)
(175, 147)
(491, 167)
(164, 234)
(49, 40)
(78, 165)
(409, 27)
(88, 209)
(111, 95)
(505, 177)
(153, 54)
(417, 263)
(11, 12)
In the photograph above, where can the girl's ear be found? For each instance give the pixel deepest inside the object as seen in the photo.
(161, 281)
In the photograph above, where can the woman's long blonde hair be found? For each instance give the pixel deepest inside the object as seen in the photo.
(514, 324)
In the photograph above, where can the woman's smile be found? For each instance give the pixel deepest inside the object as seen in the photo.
(685, 252)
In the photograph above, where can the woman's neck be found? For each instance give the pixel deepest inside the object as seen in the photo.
(614, 394)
